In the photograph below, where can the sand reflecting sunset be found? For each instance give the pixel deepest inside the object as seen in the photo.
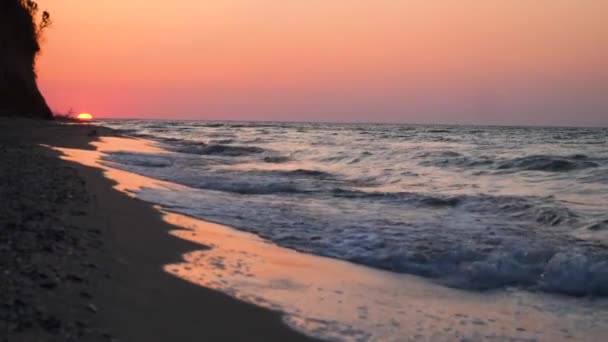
(336, 299)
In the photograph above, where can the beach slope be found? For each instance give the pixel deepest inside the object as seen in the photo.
(83, 261)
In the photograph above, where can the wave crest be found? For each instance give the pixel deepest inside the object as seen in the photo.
(548, 163)
(218, 150)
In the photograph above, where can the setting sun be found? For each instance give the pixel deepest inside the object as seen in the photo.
(386, 170)
(84, 117)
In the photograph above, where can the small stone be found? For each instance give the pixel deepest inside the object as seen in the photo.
(85, 294)
(92, 308)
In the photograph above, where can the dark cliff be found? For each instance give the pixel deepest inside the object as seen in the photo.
(19, 34)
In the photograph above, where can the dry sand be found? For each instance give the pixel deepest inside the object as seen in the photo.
(105, 273)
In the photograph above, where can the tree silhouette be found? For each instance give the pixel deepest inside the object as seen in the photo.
(21, 29)
(45, 19)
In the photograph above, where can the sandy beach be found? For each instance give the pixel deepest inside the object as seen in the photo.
(350, 171)
(103, 280)
(103, 265)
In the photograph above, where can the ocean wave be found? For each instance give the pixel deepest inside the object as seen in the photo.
(600, 175)
(222, 141)
(541, 210)
(403, 197)
(548, 163)
(317, 183)
(438, 154)
(600, 225)
(276, 159)
(252, 188)
(300, 173)
(162, 126)
(471, 207)
(575, 273)
(213, 125)
(453, 159)
(218, 150)
(468, 255)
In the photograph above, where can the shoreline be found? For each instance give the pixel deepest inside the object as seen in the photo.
(334, 299)
(133, 299)
(166, 276)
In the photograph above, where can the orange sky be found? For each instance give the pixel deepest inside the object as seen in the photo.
(461, 61)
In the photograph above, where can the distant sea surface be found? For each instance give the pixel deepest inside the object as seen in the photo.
(469, 207)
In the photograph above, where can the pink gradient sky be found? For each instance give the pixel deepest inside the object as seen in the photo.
(418, 61)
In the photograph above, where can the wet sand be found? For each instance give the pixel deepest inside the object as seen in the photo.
(333, 299)
(129, 297)
(129, 271)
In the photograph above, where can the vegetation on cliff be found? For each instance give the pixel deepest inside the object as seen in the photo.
(21, 28)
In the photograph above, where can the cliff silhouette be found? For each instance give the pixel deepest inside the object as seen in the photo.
(20, 33)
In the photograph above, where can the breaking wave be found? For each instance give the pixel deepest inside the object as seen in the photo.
(223, 150)
(476, 208)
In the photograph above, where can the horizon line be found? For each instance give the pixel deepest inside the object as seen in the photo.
(599, 126)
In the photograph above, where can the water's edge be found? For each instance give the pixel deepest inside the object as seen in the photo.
(470, 207)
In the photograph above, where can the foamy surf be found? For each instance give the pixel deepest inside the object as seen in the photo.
(476, 208)
(340, 301)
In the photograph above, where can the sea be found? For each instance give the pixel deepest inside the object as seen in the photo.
(470, 207)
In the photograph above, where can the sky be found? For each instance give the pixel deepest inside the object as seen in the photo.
(541, 62)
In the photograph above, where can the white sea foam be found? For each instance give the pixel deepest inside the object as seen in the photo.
(470, 207)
